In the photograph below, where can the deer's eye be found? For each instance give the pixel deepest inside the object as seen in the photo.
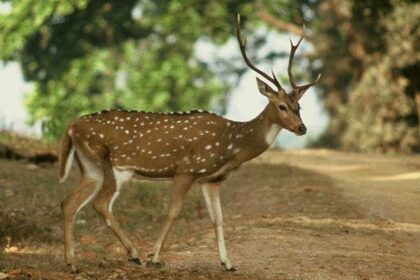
(283, 108)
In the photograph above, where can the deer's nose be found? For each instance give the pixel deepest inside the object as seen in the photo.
(302, 129)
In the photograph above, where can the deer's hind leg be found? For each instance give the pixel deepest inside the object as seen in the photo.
(91, 182)
(113, 182)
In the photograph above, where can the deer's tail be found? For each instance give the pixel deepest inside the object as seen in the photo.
(66, 154)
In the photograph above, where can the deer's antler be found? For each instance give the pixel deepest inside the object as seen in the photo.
(289, 68)
(242, 46)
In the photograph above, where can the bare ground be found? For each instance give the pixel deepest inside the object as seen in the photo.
(310, 214)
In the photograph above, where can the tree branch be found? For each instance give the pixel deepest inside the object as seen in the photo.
(281, 25)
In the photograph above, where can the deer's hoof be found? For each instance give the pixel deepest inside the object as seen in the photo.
(73, 269)
(231, 269)
(135, 260)
(155, 264)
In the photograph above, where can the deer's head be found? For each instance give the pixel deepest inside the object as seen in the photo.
(283, 107)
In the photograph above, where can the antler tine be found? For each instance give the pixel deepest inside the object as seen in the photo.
(291, 57)
(314, 82)
(289, 69)
(242, 46)
(276, 80)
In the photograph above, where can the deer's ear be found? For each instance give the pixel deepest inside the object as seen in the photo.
(265, 89)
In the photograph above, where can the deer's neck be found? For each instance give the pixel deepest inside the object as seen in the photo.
(266, 128)
(260, 134)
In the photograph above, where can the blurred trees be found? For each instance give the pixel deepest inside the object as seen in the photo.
(86, 55)
(370, 58)
(386, 100)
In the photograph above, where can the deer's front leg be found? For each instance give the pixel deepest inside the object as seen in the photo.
(214, 193)
(181, 186)
(206, 195)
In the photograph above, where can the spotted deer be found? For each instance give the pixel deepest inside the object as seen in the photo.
(190, 147)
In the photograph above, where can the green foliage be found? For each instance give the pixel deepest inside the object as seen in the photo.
(89, 55)
(28, 17)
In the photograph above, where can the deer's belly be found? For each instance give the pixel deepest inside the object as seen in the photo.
(221, 173)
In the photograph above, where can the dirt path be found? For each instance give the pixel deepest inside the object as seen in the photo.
(386, 187)
(288, 215)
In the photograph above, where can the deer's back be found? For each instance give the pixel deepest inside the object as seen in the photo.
(157, 145)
